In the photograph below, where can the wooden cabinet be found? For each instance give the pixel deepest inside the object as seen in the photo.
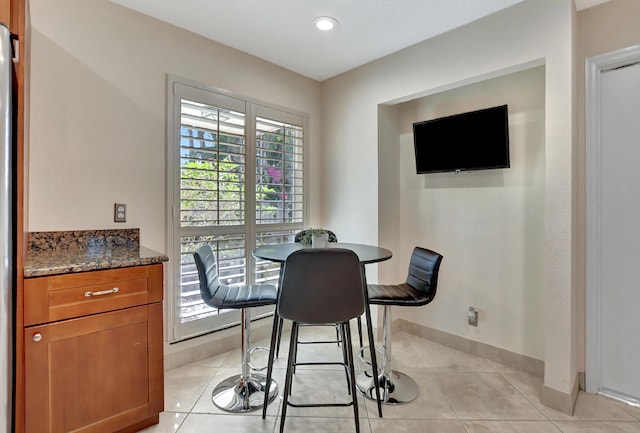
(93, 351)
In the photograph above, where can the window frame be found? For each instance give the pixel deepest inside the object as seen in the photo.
(179, 88)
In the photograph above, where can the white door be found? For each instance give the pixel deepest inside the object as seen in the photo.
(613, 238)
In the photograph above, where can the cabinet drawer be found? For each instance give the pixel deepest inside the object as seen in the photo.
(59, 297)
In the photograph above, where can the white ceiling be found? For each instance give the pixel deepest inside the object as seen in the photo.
(282, 31)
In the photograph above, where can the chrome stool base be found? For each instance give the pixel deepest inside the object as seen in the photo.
(395, 388)
(239, 394)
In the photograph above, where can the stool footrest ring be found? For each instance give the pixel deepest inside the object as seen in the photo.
(266, 349)
(364, 355)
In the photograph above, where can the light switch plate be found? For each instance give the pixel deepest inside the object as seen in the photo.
(119, 212)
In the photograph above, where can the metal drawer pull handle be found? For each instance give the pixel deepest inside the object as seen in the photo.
(37, 337)
(104, 292)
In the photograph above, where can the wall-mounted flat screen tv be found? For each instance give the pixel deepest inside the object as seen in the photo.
(476, 140)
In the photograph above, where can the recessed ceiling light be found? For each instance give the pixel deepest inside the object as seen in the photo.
(325, 23)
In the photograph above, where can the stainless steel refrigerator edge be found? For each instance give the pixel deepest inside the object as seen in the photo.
(7, 233)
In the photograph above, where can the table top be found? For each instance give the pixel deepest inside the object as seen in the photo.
(280, 252)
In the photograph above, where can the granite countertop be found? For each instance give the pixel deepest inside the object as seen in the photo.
(64, 252)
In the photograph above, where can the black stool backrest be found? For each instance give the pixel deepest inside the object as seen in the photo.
(423, 271)
(321, 285)
(207, 267)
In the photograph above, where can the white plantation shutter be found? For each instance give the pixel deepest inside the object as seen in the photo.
(212, 166)
(218, 142)
(279, 183)
(280, 169)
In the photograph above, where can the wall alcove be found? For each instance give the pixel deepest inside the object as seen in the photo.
(489, 225)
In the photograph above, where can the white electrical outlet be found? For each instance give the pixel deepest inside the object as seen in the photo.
(120, 213)
(472, 316)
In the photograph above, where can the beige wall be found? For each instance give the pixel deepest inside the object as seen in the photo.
(608, 27)
(489, 225)
(534, 33)
(98, 111)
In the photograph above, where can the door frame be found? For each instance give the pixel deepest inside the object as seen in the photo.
(594, 67)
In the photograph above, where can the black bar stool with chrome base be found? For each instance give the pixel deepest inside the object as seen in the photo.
(320, 286)
(246, 391)
(419, 289)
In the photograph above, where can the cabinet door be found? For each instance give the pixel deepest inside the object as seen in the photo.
(98, 373)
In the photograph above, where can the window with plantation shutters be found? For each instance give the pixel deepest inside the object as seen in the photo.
(236, 180)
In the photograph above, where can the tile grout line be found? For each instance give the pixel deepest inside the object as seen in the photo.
(535, 406)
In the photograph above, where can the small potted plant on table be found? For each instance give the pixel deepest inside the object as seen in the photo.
(316, 238)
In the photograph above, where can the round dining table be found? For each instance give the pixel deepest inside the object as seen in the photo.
(367, 254)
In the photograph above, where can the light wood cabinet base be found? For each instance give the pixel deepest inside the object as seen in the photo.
(97, 373)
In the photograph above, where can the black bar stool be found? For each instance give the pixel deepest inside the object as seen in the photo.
(320, 286)
(419, 289)
(246, 391)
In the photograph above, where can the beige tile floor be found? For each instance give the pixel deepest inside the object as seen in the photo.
(459, 393)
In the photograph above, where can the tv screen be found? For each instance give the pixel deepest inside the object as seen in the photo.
(477, 140)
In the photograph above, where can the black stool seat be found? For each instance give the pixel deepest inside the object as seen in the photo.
(400, 294)
(254, 295)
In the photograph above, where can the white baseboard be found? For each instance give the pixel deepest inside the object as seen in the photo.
(561, 401)
(514, 360)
